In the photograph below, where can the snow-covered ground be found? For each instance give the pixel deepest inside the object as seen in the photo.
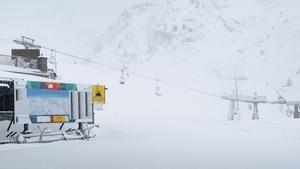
(248, 145)
(180, 129)
(198, 44)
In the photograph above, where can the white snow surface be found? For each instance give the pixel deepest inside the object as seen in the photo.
(258, 38)
(183, 129)
(180, 129)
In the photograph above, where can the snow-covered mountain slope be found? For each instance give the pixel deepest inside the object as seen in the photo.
(199, 41)
(195, 43)
(181, 129)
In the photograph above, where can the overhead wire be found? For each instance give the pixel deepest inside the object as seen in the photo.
(11, 41)
(147, 77)
(80, 58)
(136, 74)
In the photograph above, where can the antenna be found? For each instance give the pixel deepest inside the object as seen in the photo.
(26, 42)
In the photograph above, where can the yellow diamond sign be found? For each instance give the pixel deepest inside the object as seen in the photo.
(98, 92)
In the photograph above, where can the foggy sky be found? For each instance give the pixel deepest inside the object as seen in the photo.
(69, 25)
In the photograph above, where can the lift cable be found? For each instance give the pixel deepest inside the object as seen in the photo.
(130, 72)
(80, 58)
(136, 74)
(2, 40)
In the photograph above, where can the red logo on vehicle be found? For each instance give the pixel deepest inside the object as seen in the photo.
(52, 86)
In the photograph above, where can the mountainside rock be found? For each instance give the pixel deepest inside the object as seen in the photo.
(257, 38)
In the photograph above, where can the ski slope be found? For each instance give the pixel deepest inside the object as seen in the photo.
(180, 129)
(198, 44)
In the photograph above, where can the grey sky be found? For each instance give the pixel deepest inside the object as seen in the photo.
(70, 25)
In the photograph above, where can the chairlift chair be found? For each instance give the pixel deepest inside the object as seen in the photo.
(157, 91)
(122, 81)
